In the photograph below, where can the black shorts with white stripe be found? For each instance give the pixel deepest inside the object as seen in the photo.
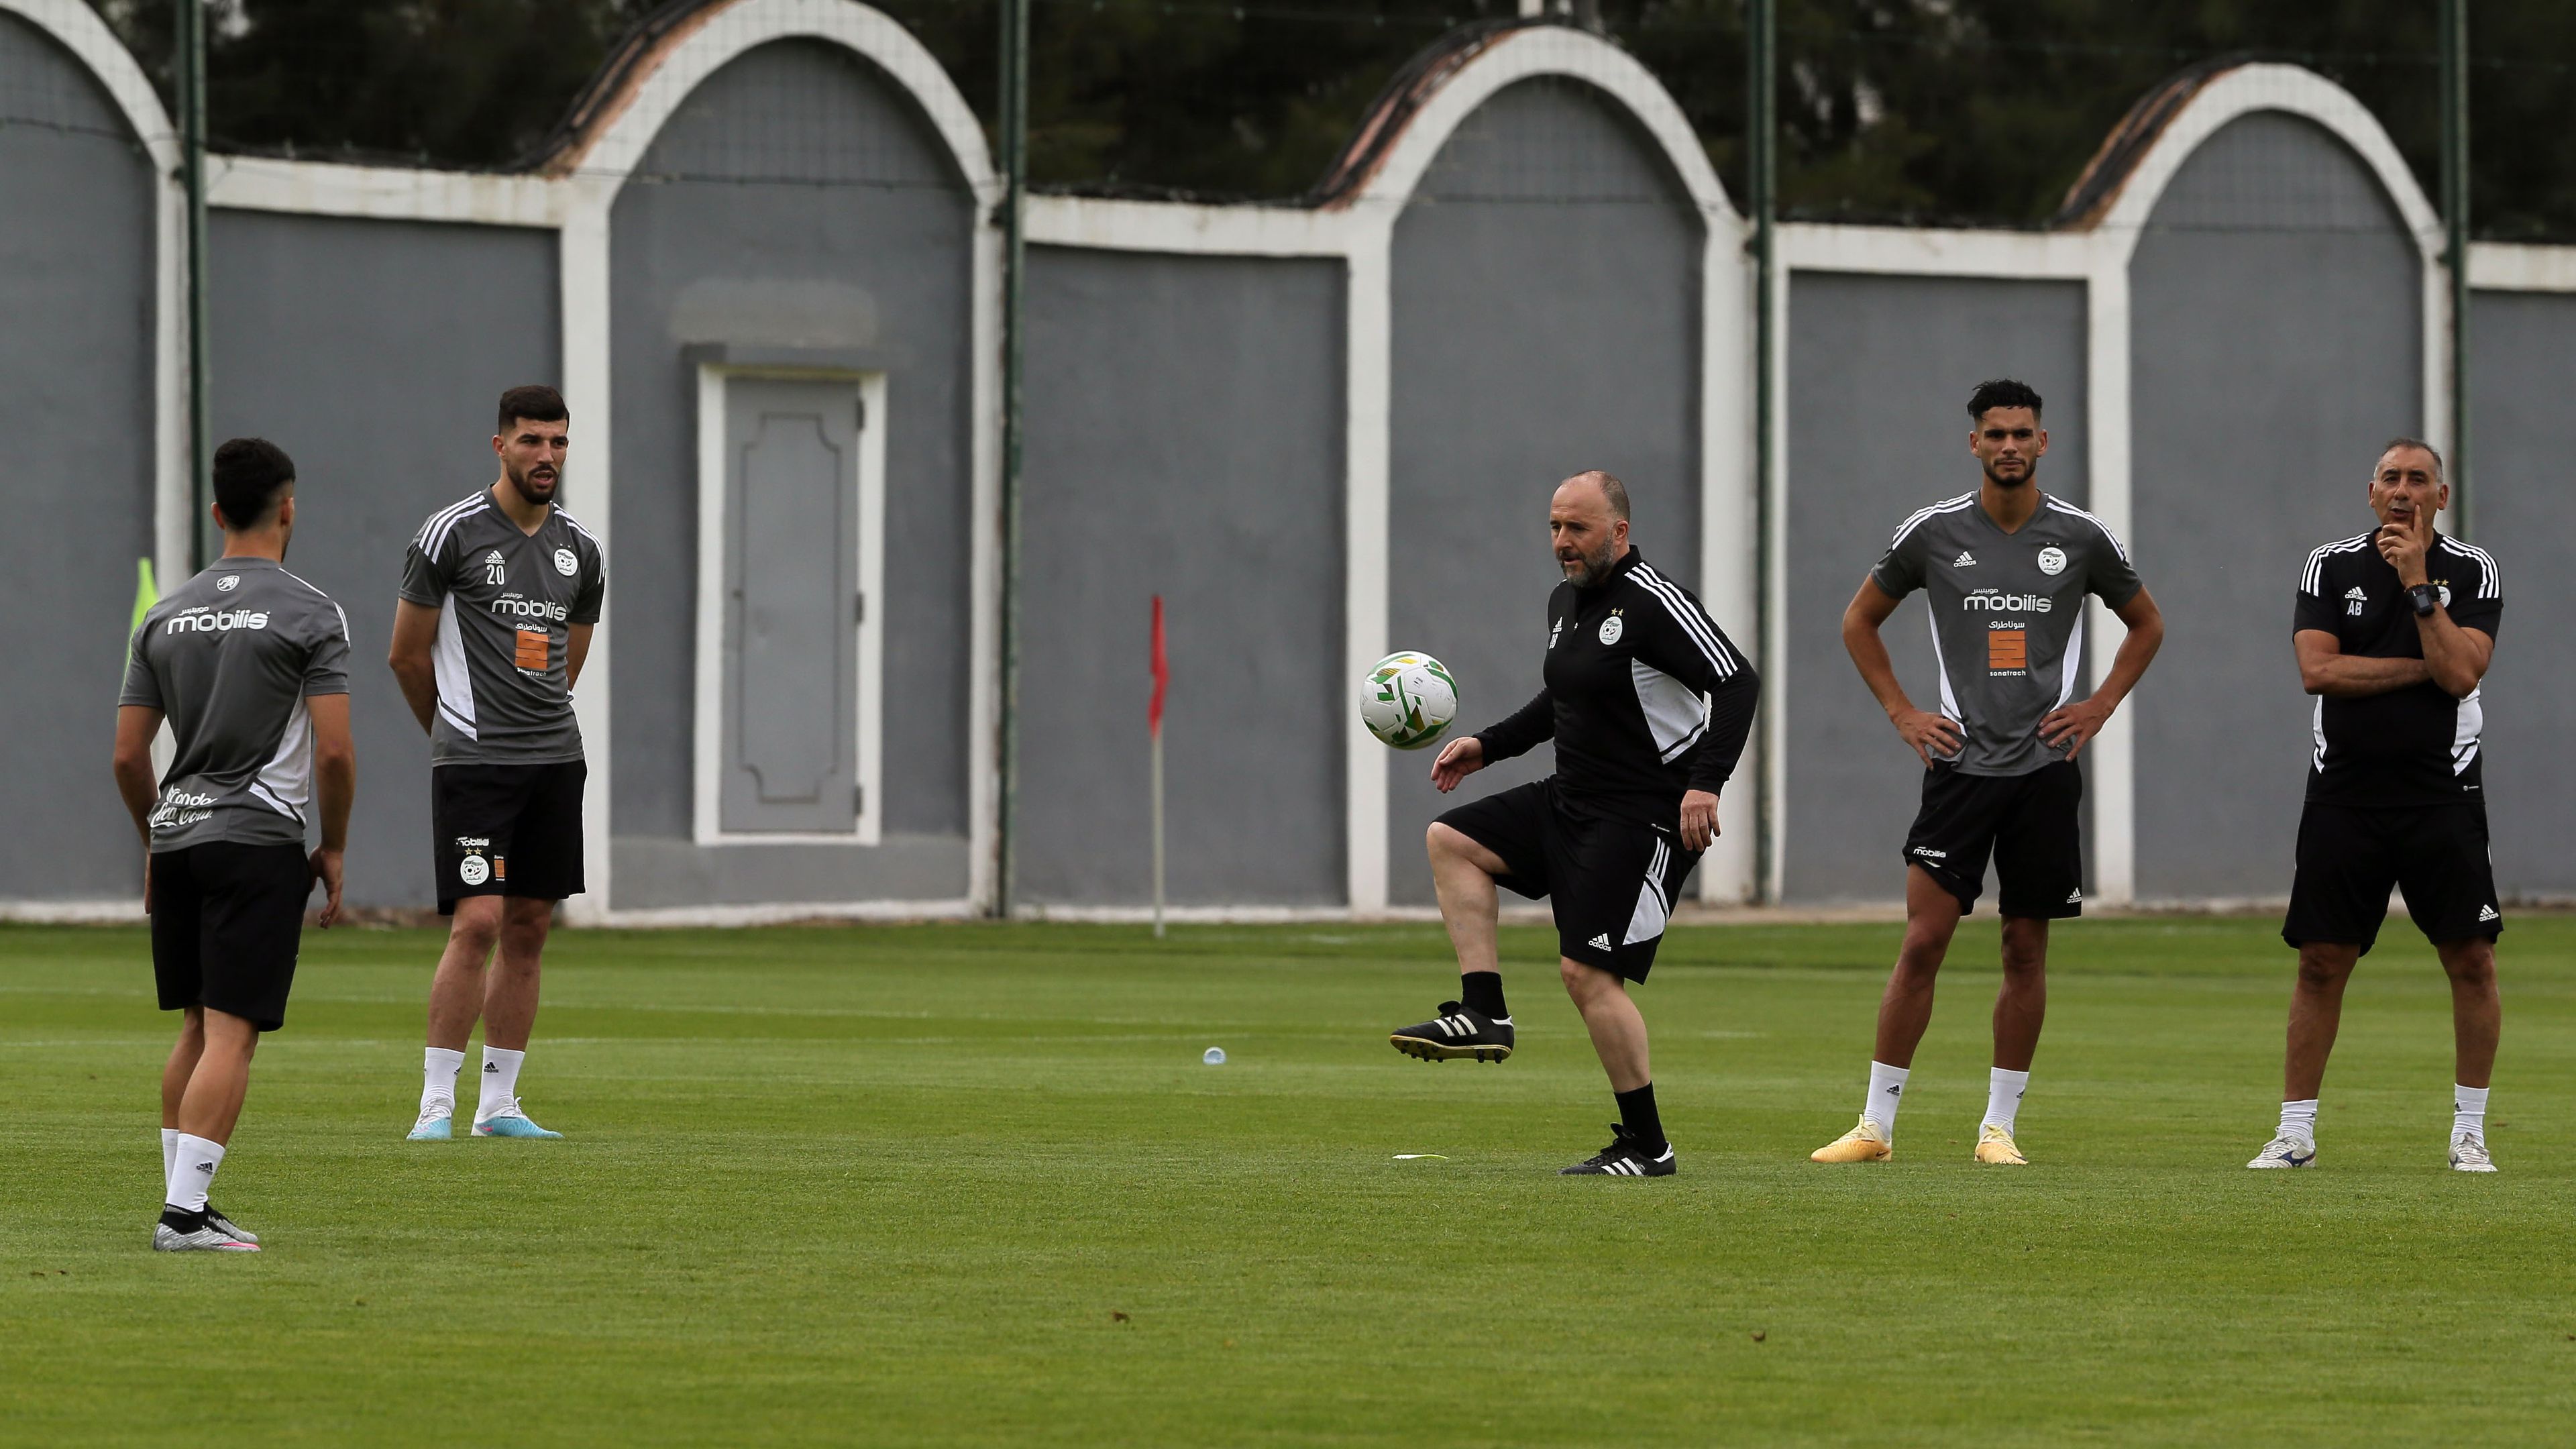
(1611, 882)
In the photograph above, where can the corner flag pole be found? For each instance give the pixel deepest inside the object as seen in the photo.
(1154, 729)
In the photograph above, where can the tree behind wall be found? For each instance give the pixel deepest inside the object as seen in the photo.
(1975, 111)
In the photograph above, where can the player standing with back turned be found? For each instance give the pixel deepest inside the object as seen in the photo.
(2394, 629)
(1649, 704)
(2005, 571)
(250, 665)
(499, 594)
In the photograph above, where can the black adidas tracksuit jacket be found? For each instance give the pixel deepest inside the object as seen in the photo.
(1646, 697)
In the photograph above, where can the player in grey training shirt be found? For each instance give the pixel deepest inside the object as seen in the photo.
(499, 594)
(249, 665)
(2004, 571)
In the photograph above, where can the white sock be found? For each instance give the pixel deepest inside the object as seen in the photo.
(2003, 1096)
(2299, 1121)
(2469, 1112)
(438, 1069)
(192, 1172)
(500, 1084)
(169, 1151)
(1886, 1089)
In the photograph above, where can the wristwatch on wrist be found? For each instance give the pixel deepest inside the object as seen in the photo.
(2427, 597)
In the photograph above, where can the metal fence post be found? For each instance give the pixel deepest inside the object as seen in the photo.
(1015, 174)
(188, 78)
(1761, 146)
(2455, 224)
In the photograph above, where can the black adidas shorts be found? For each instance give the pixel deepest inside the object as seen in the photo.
(507, 830)
(1611, 882)
(2348, 859)
(2026, 822)
(226, 922)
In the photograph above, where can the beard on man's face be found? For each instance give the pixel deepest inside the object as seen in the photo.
(1588, 569)
(2029, 470)
(532, 487)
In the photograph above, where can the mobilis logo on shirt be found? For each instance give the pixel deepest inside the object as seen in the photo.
(523, 607)
(2009, 603)
(202, 620)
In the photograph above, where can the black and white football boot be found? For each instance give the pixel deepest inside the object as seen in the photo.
(1456, 1032)
(179, 1232)
(1624, 1157)
(215, 1219)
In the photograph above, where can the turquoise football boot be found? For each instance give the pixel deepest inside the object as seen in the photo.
(513, 1123)
(433, 1127)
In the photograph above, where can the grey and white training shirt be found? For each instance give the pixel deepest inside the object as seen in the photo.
(229, 659)
(507, 602)
(2007, 617)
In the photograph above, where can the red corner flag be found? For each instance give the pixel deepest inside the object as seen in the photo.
(1162, 673)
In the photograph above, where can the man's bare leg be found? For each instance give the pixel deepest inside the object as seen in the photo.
(510, 995)
(2477, 1020)
(1619, 1039)
(2316, 1014)
(212, 1104)
(1462, 874)
(2477, 1011)
(2021, 1003)
(182, 1064)
(198, 1126)
(456, 993)
(1904, 1012)
(1610, 1015)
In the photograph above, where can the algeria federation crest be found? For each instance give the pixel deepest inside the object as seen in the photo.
(2052, 560)
(1612, 628)
(566, 563)
(474, 870)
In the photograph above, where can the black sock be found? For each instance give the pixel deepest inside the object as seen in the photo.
(1482, 993)
(179, 1220)
(1637, 1111)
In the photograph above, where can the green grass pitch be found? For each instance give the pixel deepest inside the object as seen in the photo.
(972, 1185)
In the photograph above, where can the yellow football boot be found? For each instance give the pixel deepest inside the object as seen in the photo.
(1864, 1143)
(1995, 1148)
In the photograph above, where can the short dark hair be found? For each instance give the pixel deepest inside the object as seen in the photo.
(2430, 451)
(1614, 492)
(251, 474)
(536, 402)
(2001, 392)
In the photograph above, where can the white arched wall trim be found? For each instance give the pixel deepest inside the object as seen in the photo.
(77, 28)
(1359, 228)
(595, 168)
(2099, 256)
(574, 198)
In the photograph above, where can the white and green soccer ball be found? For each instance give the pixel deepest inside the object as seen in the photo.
(1408, 699)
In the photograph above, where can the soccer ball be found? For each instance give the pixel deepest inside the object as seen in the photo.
(1408, 699)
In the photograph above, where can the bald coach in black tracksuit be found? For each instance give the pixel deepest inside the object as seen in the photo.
(1649, 704)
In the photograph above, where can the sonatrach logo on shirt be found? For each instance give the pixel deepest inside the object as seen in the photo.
(227, 583)
(565, 563)
(2052, 560)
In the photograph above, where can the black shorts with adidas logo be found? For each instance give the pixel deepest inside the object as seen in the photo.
(2350, 856)
(1611, 882)
(2027, 822)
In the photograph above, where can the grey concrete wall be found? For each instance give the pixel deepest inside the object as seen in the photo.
(1185, 438)
(2524, 434)
(373, 353)
(2277, 342)
(1546, 320)
(76, 404)
(1880, 369)
(797, 200)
